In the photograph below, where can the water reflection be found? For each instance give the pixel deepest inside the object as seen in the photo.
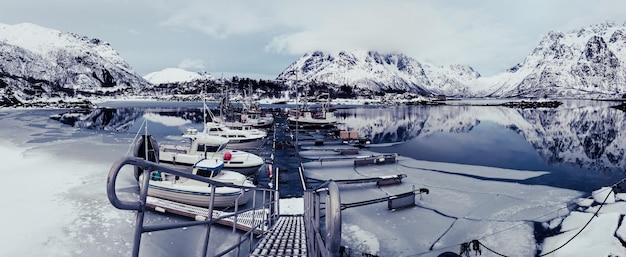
(579, 135)
(589, 134)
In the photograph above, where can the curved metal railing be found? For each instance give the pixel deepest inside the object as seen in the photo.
(269, 202)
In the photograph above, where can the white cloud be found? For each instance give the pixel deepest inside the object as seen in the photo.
(219, 19)
(192, 64)
(488, 34)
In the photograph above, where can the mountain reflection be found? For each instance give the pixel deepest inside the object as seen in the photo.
(588, 134)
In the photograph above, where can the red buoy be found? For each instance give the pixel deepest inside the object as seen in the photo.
(227, 156)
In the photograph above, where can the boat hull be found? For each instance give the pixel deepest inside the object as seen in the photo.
(311, 123)
(240, 161)
(198, 193)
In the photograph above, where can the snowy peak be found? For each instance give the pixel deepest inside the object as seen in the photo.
(376, 72)
(39, 64)
(584, 62)
(49, 42)
(175, 75)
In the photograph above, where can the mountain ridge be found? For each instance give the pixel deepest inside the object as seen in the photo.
(42, 64)
(585, 62)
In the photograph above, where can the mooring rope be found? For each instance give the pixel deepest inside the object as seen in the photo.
(136, 136)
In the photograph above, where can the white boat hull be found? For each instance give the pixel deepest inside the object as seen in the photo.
(240, 161)
(199, 193)
(237, 139)
(306, 119)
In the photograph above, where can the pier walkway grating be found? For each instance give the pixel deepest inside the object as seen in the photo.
(286, 238)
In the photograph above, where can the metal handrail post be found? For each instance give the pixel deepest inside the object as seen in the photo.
(208, 225)
(143, 195)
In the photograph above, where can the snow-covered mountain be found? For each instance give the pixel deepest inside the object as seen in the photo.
(175, 75)
(379, 72)
(587, 62)
(40, 64)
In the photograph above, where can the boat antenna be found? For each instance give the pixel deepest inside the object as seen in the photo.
(146, 139)
(204, 112)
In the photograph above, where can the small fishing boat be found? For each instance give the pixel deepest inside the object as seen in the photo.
(250, 116)
(305, 117)
(237, 139)
(198, 193)
(250, 121)
(248, 138)
(202, 145)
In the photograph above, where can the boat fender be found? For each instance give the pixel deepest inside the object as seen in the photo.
(156, 176)
(227, 156)
(269, 170)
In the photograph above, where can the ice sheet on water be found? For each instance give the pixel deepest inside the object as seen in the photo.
(56, 189)
(465, 203)
(596, 240)
(618, 207)
(57, 206)
(604, 194)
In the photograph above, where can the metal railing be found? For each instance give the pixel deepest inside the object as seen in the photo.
(322, 220)
(322, 209)
(269, 202)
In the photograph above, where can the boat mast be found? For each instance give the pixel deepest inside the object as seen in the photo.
(146, 140)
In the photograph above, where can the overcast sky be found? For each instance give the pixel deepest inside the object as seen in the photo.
(260, 38)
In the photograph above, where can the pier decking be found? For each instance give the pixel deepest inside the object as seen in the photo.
(286, 238)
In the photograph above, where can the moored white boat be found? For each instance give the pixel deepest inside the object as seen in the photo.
(309, 118)
(305, 117)
(248, 122)
(237, 139)
(198, 193)
(202, 145)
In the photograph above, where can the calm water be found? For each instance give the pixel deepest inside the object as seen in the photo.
(581, 143)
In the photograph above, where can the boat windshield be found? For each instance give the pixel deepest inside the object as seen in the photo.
(205, 172)
(221, 147)
(209, 148)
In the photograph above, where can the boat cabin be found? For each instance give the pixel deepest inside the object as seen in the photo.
(203, 143)
(208, 167)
